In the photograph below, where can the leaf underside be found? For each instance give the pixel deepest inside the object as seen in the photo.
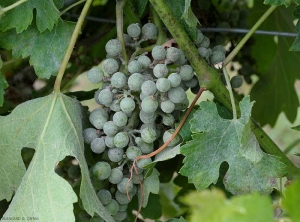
(52, 126)
(217, 140)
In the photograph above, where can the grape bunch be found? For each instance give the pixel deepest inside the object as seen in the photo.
(139, 102)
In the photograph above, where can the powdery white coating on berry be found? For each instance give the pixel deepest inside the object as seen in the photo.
(101, 170)
(104, 196)
(158, 53)
(217, 57)
(199, 37)
(115, 154)
(121, 140)
(219, 48)
(167, 106)
(182, 60)
(186, 72)
(149, 104)
(135, 81)
(149, 30)
(163, 84)
(132, 152)
(205, 42)
(110, 128)
(118, 80)
(113, 47)
(98, 145)
(120, 215)
(109, 141)
(98, 117)
(127, 38)
(202, 51)
(133, 30)
(110, 66)
(125, 185)
(174, 79)
(115, 105)
(193, 82)
(144, 61)
(160, 70)
(95, 75)
(120, 119)
(112, 207)
(127, 105)
(105, 97)
(173, 54)
(167, 135)
(177, 95)
(168, 120)
(134, 66)
(89, 135)
(147, 117)
(122, 198)
(116, 176)
(143, 162)
(148, 134)
(148, 88)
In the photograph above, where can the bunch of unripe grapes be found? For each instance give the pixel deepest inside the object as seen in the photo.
(139, 103)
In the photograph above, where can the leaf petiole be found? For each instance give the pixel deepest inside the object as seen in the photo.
(71, 6)
(6, 9)
(230, 92)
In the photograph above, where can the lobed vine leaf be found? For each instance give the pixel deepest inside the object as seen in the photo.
(46, 50)
(140, 6)
(276, 77)
(3, 84)
(212, 205)
(21, 17)
(291, 201)
(150, 185)
(217, 140)
(278, 2)
(52, 126)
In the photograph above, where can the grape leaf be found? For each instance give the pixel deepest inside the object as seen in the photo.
(150, 185)
(52, 126)
(21, 17)
(217, 140)
(189, 16)
(296, 128)
(181, 219)
(3, 84)
(212, 206)
(140, 6)
(46, 50)
(178, 7)
(291, 201)
(278, 2)
(276, 77)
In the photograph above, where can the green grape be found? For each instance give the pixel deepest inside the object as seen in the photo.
(168, 119)
(148, 88)
(121, 140)
(105, 97)
(116, 176)
(186, 72)
(96, 219)
(113, 47)
(192, 82)
(147, 117)
(104, 196)
(143, 162)
(122, 198)
(148, 135)
(144, 61)
(144, 147)
(120, 215)
(123, 207)
(183, 105)
(120, 119)
(135, 81)
(203, 52)
(142, 95)
(132, 152)
(199, 37)
(174, 79)
(176, 95)
(145, 125)
(101, 170)
(89, 135)
(149, 104)
(158, 53)
(182, 60)
(160, 70)
(149, 30)
(125, 185)
(236, 81)
(74, 172)
(115, 105)
(217, 57)
(136, 179)
(219, 48)
(110, 66)
(98, 145)
(109, 141)
(118, 80)
(134, 30)
(183, 86)
(115, 154)
(110, 128)
(95, 75)
(112, 207)
(195, 89)
(172, 54)
(205, 42)
(127, 105)
(98, 117)
(134, 66)
(127, 38)
(163, 84)
(168, 134)
(167, 106)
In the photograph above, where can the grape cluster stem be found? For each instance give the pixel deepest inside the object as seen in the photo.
(133, 167)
